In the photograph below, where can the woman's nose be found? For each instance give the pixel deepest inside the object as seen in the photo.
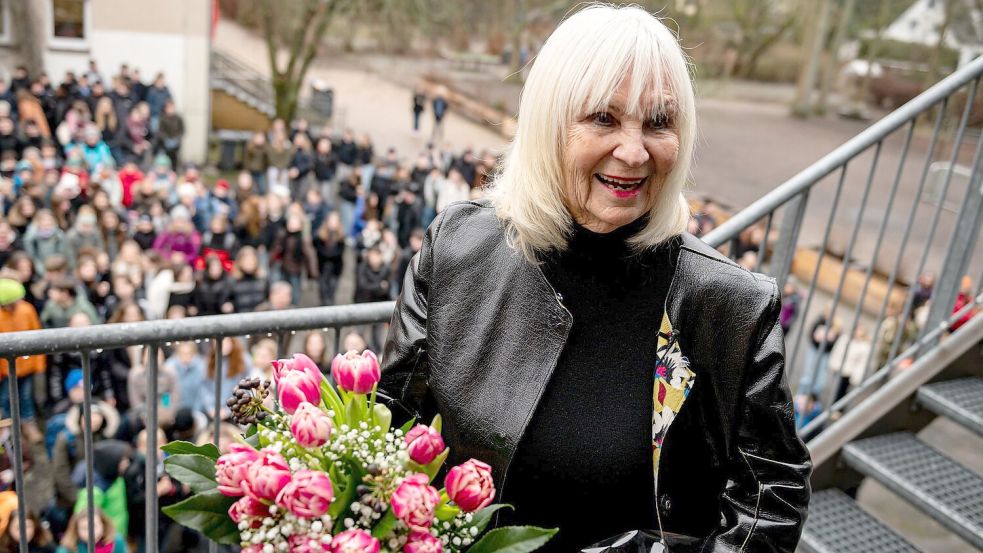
(631, 151)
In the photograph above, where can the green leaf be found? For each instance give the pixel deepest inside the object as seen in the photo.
(385, 525)
(409, 425)
(433, 467)
(208, 513)
(437, 424)
(481, 517)
(180, 448)
(332, 401)
(513, 539)
(253, 440)
(197, 471)
(446, 512)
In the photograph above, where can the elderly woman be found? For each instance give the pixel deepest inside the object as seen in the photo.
(614, 371)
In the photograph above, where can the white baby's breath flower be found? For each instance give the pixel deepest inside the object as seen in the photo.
(468, 517)
(456, 541)
(316, 526)
(268, 548)
(349, 523)
(473, 530)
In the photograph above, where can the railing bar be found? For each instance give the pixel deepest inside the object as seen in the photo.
(151, 458)
(763, 246)
(815, 275)
(282, 340)
(877, 248)
(18, 450)
(90, 507)
(892, 279)
(910, 295)
(218, 389)
(337, 340)
(788, 237)
(828, 163)
(847, 256)
(108, 336)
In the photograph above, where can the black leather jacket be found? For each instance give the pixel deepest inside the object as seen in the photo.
(478, 330)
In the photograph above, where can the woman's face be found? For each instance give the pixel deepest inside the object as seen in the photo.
(616, 163)
(315, 346)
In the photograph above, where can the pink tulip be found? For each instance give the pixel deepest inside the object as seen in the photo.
(307, 495)
(296, 387)
(421, 541)
(248, 508)
(354, 372)
(231, 468)
(266, 476)
(414, 501)
(470, 485)
(424, 443)
(306, 544)
(310, 425)
(354, 541)
(300, 363)
(254, 548)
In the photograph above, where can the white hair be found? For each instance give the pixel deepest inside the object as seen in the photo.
(580, 66)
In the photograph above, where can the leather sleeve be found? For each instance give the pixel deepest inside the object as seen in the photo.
(767, 494)
(404, 383)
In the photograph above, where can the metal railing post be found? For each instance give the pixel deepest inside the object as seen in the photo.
(151, 459)
(788, 237)
(87, 433)
(18, 450)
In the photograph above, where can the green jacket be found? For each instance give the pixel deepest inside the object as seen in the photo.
(56, 316)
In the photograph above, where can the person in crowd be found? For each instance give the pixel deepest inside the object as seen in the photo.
(888, 334)
(316, 208)
(214, 292)
(188, 367)
(329, 243)
(350, 194)
(180, 236)
(250, 285)
(452, 189)
(316, 347)
(372, 284)
(220, 241)
(17, 315)
(281, 297)
(364, 156)
(848, 359)
(295, 253)
(236, 365)
(38, 537)
(589, 235)
(64, 374)
(107, 538)
(110, 459)
(963, 299)
(823, 333)
(255, 162)
(419, 104)
(439, 106)
(170, 132)
(325, 168)
(279, 154)
(301, 166)
(63, 302)
(183, 288)
(43, 238)
(168, 389)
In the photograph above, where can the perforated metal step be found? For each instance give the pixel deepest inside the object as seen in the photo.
(836, 524)
(960, 400)
(942, 488)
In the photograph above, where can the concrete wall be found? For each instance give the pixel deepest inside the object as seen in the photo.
(169, 36)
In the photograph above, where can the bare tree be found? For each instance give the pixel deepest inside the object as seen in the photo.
(298, 32)
(760, 23)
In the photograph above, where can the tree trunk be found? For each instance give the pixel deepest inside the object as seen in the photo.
(834, 56)
(517, 27)
(802, 105)
(935, 56)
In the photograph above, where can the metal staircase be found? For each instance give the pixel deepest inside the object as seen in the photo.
(878, 432)
(242, 82)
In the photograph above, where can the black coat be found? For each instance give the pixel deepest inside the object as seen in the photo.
(330, 255)
(478, 330)
(371, 285)
(248, 292)
(211, 294)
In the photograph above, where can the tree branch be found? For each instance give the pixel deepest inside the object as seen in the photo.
(269, 31)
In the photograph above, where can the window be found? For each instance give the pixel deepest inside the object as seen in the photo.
(69, 24)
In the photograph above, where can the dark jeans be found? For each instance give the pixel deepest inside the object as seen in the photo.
(327, 285)
(25, 392)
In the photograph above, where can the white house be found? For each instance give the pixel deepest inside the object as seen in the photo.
(166, 36)
(920, 24)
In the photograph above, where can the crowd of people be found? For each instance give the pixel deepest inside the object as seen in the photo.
(102, 223)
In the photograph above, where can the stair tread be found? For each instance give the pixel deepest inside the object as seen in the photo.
(836, 524)
(960, 400)
(941, 487)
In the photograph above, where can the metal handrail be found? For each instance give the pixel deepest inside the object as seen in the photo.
(832, 161)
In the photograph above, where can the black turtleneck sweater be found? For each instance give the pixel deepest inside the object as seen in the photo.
(584, 464)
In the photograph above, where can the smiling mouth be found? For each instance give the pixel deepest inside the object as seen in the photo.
(619, 184)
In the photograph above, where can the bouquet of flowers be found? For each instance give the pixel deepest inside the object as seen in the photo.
(321, 470)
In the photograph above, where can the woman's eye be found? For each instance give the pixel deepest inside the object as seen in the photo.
(602, 118)
(659, 122)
